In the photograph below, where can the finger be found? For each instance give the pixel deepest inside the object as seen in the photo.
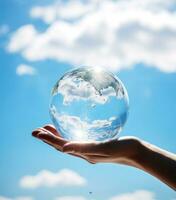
(52, 139)
(49, 138)
(47, 128)
(85, 148)
(52, 129)
(60, 149)
(73, 154)
(55, 146)
(37, 131)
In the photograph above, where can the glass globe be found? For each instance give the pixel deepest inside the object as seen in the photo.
(89, 104)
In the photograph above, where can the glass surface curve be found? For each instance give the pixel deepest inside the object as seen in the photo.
(89, 104)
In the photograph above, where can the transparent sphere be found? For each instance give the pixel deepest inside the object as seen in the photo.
(89, 105)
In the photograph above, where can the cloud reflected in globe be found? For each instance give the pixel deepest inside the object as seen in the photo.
(89, 104)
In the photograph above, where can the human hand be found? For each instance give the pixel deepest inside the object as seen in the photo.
(122, 150)
(129, 151)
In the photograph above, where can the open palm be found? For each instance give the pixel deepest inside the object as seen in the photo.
(115, 151)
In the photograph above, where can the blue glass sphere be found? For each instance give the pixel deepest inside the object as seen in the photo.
(89, 104)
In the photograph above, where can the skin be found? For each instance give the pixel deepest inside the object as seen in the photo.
(129, 151)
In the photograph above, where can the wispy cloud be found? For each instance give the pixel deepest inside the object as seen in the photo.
(64, 177)
(113, 34)
(98, 89)
(70, 198)
(23, 69)
(61, 10)
(16, 198)
(79, 127)
(22, 38)
(137, 195)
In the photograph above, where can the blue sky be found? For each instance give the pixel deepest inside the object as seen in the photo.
(139, 51)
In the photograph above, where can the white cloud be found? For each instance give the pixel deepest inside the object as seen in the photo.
(84, 130)
(25, 70)
(137, 195)
(64, 177)
(70, 198)
(112, 34)
(16, 198)
(97, 89)
(22, 38)
(64, 10)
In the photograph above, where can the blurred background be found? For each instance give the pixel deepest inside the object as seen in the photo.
(39, 41)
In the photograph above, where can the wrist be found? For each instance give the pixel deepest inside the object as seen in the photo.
(133, 153)
(141, 154)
